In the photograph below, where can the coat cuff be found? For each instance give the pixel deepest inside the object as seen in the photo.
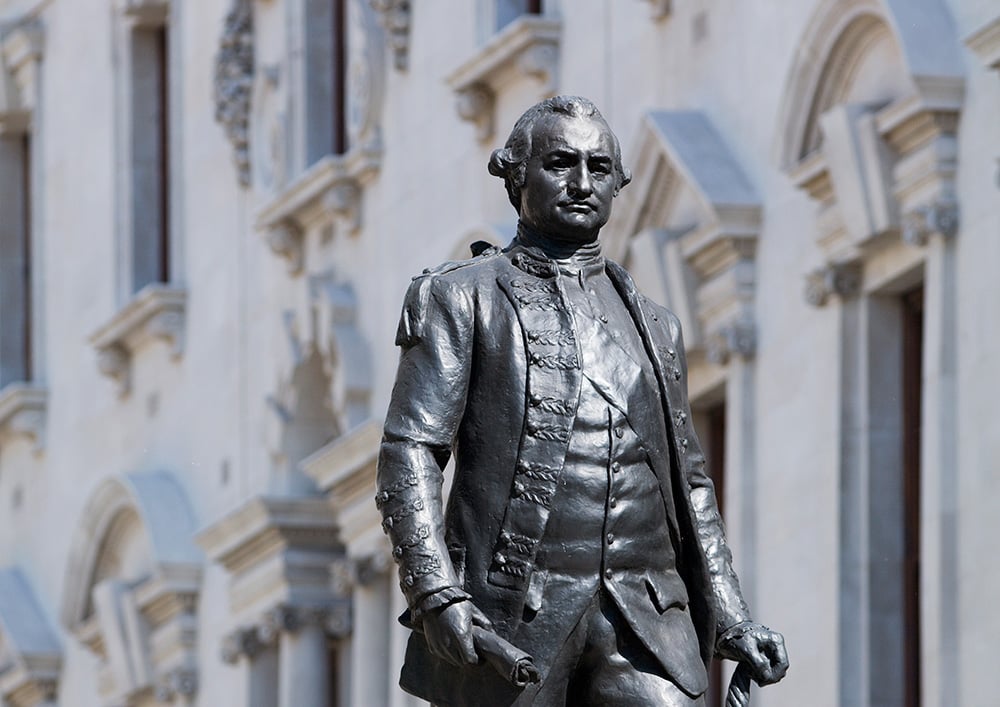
(438, 600)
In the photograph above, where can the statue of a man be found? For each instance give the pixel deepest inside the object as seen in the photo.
(581, 559)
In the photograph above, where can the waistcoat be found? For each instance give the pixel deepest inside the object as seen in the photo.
(608, 514)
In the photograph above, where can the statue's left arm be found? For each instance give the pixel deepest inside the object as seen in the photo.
(738, 637)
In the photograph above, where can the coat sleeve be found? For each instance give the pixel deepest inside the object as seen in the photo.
(428, 399)
(729, 606)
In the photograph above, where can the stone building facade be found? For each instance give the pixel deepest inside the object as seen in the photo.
(209, 212)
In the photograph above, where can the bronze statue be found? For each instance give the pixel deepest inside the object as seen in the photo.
(581, 559)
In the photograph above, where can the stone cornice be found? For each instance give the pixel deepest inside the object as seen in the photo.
(277, 551)
(157, 312)
(528, 46)
(345, 471)
(336, 468)
(889, 173)
(23, 412)
(985, 42)
(333, 185)
(263, 522)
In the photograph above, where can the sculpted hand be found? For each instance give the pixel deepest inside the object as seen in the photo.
(449, 633)
(760, 648)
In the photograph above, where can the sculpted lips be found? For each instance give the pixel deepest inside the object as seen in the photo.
(579, 207)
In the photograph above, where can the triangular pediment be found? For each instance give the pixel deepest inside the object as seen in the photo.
(29, 649)
(687, 225)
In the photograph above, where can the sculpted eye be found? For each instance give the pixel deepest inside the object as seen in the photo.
(601, 168)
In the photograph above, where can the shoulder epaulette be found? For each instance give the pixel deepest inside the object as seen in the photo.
(480, 251)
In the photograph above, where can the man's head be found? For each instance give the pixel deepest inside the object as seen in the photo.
(562, 167)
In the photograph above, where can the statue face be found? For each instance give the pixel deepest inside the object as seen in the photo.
(569, 179)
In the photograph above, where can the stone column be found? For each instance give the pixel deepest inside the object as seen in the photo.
(303, 661)
(741, 482)
(941, 587)
(253, 651)
(372, 599)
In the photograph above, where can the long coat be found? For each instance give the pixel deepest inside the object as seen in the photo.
(490, 371)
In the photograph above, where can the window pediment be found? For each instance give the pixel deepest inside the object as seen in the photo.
(30, 656)
(137, 615)
(529, 46)
(687, 228)
(157, 312)
(330, 189)
(878, 155)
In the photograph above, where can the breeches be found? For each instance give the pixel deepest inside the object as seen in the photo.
(603, 663)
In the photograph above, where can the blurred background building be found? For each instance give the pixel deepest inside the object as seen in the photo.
(210, 210)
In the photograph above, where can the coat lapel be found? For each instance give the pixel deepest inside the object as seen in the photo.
(662, 459)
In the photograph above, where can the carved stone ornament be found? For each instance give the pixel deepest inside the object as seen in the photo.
(395, 18)
(841, 279)
(660, 9)
(529, 46)
(939, 217)
(179, 682)
(285, 240)
(23, 412)
(20, 54)
(234, 72)
(365, 78)
(248, 641)
(156, 312)
(736, 339)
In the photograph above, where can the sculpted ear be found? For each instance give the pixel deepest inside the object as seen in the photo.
(626, 178)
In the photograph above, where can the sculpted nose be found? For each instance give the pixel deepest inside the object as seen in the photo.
(581, 181)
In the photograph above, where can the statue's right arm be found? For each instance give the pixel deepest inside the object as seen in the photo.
(435, 336)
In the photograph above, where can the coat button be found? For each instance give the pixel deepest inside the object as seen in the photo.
(619, 432)
(611, 538)
(604, 318)
(608, 574)
(616, 467)
(613, 502)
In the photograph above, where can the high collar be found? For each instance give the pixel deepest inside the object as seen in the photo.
(570, 258)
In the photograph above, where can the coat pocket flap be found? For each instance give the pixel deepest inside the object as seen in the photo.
(666, 589)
